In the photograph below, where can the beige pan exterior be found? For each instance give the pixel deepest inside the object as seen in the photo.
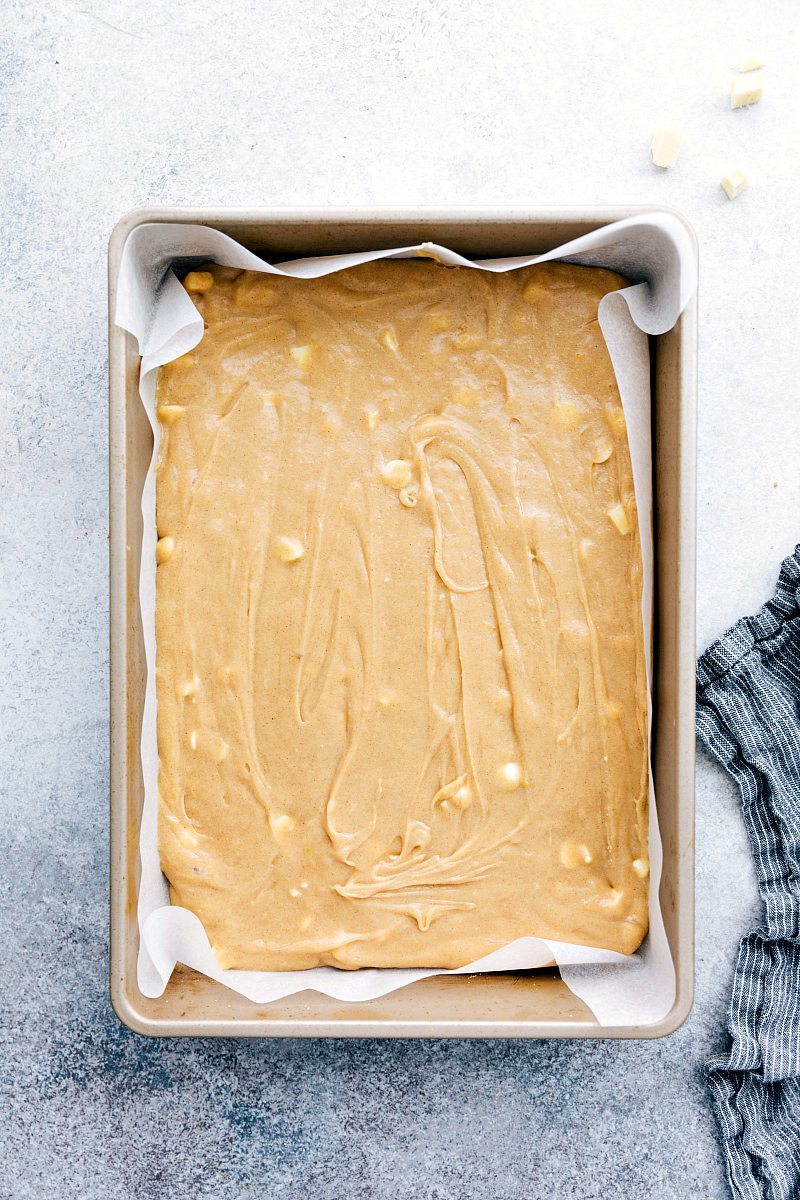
(532, 1004)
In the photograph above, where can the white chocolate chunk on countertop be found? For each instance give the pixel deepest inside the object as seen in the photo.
(733, 183)
(666, 146)
(747, 89)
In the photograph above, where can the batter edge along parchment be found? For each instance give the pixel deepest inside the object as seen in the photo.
(400, 669)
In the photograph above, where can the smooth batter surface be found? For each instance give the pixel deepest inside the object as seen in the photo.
(400, 667)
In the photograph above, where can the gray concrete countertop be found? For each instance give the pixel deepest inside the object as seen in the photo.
(115, 103)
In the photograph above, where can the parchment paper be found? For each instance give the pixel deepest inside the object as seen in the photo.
(657, 252)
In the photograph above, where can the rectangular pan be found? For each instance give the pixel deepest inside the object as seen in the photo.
(532, 1004)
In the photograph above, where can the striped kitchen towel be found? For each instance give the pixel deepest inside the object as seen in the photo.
(748, 718)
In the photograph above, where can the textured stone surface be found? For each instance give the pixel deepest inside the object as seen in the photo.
(121, 103)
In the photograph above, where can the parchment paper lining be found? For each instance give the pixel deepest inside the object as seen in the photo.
(656, 251)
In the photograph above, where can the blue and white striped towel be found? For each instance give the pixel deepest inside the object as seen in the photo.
(748, 718)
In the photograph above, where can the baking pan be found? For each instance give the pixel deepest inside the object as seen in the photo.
(525, 1004)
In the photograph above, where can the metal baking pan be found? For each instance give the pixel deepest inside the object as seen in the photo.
(528, 1004)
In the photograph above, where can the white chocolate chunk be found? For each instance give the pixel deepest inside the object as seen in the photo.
(302, 356)
(218, 748)
(371, 417)
(512, 775)
(462, 798)
(281, 825)
(641, 867)
(747, 89)
(389, 341)
(169, 413)
(199, 281)
(457, 792)
(665, 147)
(288, 549)
(733, 183)
(164, 549)
(619, 517)
(396, 473)
(574, 855)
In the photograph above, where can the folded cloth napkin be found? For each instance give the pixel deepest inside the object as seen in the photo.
(748, 718)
